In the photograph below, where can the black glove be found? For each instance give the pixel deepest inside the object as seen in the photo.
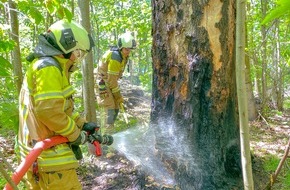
(82, 139)
(105, 139)
(90, 127)
(77, 151)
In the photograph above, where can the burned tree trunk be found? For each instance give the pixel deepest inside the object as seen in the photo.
(194, 106)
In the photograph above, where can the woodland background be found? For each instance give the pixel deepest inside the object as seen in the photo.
(267, 49)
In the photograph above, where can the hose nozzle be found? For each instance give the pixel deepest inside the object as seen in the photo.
(105, 139)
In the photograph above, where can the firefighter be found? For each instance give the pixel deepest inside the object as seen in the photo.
(109, 71)
(46, 106)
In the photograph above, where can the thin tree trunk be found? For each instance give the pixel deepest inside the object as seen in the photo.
(252, 109)
(16, 56)
(242, 96)
(96, 35)
(88, 67)
(264, 58)
(252, 60)
(279, 79)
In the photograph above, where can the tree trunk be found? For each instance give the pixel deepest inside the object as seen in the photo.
(264, 58)
(16, 56)
(88, 67)
(242, 95)
(96, 35)
(279, 90)
(252, 109)
(194, 103)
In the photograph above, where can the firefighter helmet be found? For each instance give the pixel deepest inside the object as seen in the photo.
(126, 40)
(69, 36)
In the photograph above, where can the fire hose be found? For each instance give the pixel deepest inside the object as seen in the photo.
(96, 139)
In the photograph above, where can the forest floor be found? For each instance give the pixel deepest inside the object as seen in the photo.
(113, 171)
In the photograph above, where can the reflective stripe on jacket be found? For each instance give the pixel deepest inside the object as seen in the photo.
(111, 69)
(46, 110)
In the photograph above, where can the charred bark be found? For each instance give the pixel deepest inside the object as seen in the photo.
(194, 105)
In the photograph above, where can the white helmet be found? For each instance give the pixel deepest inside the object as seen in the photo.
(126, 40)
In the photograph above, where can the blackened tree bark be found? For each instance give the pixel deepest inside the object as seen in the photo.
(194, 104)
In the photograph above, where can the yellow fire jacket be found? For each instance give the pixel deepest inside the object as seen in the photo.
(46, 110)
(111, 69)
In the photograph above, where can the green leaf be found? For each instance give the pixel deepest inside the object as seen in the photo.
(51, 6)
(282, 9)
(60, 12)
(6, 46)
(35, 15)
(68, 14)
(5, 66)
(9, 115)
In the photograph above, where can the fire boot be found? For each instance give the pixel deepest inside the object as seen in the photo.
(109, 127)
(116, 114)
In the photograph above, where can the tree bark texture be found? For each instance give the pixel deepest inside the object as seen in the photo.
(194, 104)
(15, 55)
(88, 68)
(242, 95)
(264, 96)
(252, 109)
(278, 70)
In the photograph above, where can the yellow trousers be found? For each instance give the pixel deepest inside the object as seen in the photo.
(65, 180)
(108, 107)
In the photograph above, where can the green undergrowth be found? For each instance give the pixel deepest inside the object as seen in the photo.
(270, 165)
(267, 143)
(122, 124)
(3, 182)
(8, 117)
(286, 104)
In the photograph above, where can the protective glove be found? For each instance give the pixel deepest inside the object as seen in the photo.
(90, 127)
(82, 139)
(118, 97)
(77, 151)
(103, 92)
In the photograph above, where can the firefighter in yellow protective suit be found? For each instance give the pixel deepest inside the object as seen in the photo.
(46, 106)
(109, 71)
